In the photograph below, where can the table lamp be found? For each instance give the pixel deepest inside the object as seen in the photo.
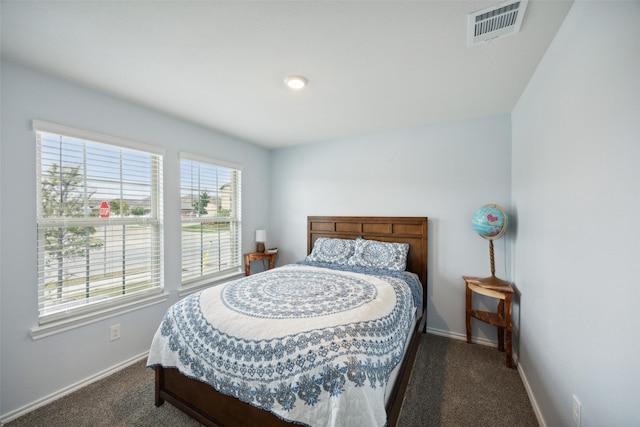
(261, 238)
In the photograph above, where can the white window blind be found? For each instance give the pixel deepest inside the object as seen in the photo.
(99, 221)
(210, 201)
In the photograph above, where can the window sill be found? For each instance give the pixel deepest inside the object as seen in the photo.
(69, 323)
(207, 283)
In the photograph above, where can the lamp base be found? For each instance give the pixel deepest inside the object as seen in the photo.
(260, 247)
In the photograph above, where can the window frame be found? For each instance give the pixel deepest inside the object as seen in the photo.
(59, 320)
(194, 283)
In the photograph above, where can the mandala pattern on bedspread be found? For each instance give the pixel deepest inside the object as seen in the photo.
(281, 296)
(300, 369)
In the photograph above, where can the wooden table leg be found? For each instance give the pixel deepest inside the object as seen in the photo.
(468, 313)
(247, 265)
(508, 328)
(501, 329)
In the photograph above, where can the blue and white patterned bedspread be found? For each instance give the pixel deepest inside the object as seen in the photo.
(313, 345)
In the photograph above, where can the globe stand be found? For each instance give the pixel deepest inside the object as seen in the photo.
(492, 280)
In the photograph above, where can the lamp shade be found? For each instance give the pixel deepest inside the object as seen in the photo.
(261, 236)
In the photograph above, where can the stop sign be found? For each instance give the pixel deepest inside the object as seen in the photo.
(104, 209)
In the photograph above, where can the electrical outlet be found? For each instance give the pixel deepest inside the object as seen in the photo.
(115, 332)
(577, 406)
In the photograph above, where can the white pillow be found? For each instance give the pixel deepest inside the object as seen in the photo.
(336, 251)
(372, 253)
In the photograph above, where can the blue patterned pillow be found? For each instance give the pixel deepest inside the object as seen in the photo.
(372, 253)
(337, 251)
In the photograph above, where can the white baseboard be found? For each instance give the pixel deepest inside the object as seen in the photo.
(10, 416)
(532, 398)
(474, 340)
(461, 337)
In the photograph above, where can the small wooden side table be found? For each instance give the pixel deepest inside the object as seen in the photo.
(258, 256)
(502, 291)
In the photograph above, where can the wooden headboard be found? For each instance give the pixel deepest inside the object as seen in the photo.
(411, 230)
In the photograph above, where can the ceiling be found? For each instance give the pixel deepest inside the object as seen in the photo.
(372, 66)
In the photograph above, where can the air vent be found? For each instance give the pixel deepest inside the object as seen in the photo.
(497, 21)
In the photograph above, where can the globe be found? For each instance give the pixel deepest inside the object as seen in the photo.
(490, 221)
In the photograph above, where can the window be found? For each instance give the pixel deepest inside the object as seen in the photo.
(99, 221)
(211, 221)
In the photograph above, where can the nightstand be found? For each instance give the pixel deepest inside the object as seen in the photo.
(258, 256)
(502, 291)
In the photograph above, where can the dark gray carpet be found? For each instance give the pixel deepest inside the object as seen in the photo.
(454, 384)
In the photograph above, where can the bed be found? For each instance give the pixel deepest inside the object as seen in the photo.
(184, 364)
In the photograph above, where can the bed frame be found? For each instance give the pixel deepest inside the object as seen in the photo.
(212, 408)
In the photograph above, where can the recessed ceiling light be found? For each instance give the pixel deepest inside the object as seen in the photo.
(296, 82)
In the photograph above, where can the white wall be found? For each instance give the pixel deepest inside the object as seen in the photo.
(576, 190)
(1, 239)
(444, 172)
(32, 370)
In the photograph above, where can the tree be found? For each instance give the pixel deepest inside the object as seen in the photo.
(139, 211)
(200, 205)
(62, 197)
(119, 207)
